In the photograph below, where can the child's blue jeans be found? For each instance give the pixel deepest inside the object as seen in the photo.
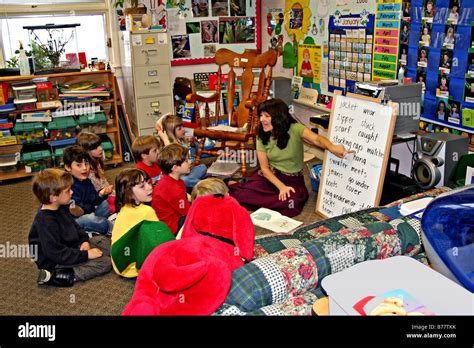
(197, 173)
(97, 221)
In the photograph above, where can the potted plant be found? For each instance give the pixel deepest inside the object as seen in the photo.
(132, 9)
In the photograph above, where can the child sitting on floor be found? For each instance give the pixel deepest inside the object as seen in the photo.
(171, 131)
(93, 145)
(134, 189)
(169, 196)
(90, 207)
(65, 252)
(145, 150)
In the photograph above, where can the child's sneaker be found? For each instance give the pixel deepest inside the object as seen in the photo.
(44, 276)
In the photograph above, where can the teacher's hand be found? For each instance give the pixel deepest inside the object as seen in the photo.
(285, 193)
(339, 150)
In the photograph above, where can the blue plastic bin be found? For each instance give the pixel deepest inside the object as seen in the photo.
(315, 176)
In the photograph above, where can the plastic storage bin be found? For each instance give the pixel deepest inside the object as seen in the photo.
(24, 90)
(108, 149)
(25, 104)
(62, 128)
(45, 91)
(29, 132)
(58, 156)
(94, 123)
(448, 235)
(37, 160)
(315, 176)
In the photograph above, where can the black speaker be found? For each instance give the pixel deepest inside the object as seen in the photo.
(437, 155)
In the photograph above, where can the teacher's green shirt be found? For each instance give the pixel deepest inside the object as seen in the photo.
(290, 159)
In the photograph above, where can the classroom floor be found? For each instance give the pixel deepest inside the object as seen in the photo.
(106, 295)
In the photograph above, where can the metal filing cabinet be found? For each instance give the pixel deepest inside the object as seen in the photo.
(146, 78)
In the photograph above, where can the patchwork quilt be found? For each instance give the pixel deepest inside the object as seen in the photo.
(285, 276)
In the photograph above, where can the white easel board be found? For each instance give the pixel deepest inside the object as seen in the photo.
(354, 183)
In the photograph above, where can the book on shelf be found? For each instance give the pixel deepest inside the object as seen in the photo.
(37, 116)
(274, 221)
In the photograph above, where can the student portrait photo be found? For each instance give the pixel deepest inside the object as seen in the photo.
(448, 41)
(441, 108)
(453, 16)
(421, 78)
(425, 34)
(454, 110)
(469, 90)
(446, 60)
(405, 33)
(443, 85)
(403, 54)
(429, 10)
(406, 9)
(423, 57)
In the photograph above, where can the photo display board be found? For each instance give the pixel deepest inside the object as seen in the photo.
(201, 27)
(355, 182)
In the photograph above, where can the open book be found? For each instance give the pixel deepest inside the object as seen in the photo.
(273, 221)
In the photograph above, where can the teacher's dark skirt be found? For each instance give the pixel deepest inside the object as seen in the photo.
(258, 192)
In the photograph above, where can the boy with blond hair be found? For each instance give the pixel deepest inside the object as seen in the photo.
(145, 150)
(65, 252)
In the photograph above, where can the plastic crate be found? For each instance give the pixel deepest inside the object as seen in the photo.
(62, 128)
(315, 176)
(8, 140)
(58, 156)
(24, 90)
(25, 104)
(94, 123)
(37, 160)
(29, 132)
(46, 92)
(108, 149)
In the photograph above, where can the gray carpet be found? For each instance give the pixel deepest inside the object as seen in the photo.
(20, 295)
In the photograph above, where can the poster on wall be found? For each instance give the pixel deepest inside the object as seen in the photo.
(387, 33)
(210, 25)
(350, 49)
(309, 58)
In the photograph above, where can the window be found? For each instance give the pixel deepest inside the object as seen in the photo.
(91, 36)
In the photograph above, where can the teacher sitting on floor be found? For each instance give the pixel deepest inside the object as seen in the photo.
(279, 184)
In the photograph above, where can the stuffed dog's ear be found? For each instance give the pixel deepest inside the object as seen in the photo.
(243, 231)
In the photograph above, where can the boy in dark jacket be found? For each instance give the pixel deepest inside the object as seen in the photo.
(65, 252)
(90, 207)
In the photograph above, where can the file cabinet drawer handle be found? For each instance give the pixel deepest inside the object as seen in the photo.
(151, 82)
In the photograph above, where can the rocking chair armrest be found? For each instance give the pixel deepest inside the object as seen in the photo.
(192, 98)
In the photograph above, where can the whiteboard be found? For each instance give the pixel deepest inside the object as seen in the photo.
(354, 183)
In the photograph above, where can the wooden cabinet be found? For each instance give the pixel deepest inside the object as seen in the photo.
(147, 81)
(105, 104)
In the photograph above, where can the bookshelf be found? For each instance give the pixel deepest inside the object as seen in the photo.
(106, 101)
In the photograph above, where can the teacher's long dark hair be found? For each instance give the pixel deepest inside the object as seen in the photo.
(281, 122)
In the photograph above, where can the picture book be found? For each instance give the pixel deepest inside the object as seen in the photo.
(273, 221)
(396, 302)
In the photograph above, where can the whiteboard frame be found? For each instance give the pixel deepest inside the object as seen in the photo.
(388, 146)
